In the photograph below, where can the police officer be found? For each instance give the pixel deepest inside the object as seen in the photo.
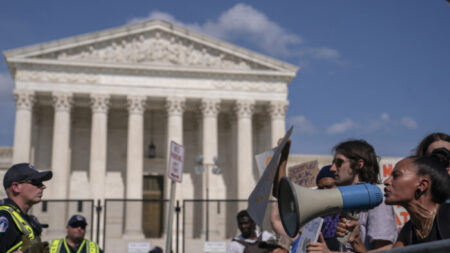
(74, 241)
(24, 188)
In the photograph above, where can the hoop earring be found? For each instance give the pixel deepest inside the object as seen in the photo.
(417, 194)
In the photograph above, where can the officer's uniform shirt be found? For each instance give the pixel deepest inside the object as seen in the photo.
(10, 235)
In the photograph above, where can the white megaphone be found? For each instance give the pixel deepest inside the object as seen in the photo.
(298, 205)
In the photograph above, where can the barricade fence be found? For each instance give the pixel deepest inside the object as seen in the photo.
(116, 223)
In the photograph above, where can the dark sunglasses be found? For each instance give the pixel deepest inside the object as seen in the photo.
(338, 162)
(78, 224)
(36, 183)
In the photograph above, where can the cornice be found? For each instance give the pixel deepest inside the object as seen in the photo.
(153, 25)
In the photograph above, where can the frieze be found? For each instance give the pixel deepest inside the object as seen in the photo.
(155, 48)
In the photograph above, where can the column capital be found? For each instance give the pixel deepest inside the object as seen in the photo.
(24, 99)
(210, 107)
(136, 104)
(99, 103)
(244, 108)
(278, 109)
(62, 101)
(175, 105)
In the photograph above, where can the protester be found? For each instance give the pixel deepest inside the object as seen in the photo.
(24, 187)
(326, 180)
(156, 249)
(74, 241)
(354, 162)
(432, 142)
(250, 238)
(421, 185)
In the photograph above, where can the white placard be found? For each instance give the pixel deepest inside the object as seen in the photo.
(257, 202)
(176, 161)
(310, 233)
(263, 159)
(215, 246)
(138, 247)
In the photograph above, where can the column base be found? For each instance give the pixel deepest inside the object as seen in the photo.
(129, 236)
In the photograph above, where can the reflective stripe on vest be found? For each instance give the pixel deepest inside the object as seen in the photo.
(21, 224)
(56, 246)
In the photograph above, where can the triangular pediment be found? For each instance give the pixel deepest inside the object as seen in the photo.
(152, 43)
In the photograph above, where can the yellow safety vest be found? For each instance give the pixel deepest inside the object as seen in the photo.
(21, 224)
(56, 245)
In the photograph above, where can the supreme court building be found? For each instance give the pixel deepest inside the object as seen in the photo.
(100, 109)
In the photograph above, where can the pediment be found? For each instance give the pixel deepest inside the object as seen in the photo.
(153, 43)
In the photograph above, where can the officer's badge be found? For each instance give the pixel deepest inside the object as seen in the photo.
(3, 224)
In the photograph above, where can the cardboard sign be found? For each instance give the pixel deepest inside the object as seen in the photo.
(263, 159)
(310, 233)
(304, 174)
(176, 161)
(257, 202)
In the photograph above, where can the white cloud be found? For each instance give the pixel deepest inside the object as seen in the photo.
(341, 127)
(385, 116)
(302, 124)
(244, 22)
(369, 126)
(409, 122)
(6, 85)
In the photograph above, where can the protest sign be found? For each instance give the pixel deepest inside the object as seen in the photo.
(304, 174)
(257, 202)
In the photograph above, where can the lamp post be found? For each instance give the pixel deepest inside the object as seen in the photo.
(201, 167)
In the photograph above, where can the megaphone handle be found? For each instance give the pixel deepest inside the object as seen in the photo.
(349, 216)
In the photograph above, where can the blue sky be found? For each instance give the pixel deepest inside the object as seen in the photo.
(377, 70)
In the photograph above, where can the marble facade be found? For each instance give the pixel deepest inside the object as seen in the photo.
(88, 107)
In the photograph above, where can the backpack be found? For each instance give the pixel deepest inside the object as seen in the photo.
(252, 247)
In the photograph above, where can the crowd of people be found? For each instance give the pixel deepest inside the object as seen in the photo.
(420, 183)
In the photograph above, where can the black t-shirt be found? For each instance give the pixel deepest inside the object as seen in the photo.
(439, 230)
(10, 235)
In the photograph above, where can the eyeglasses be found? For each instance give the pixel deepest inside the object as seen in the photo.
(36, 183)
(338, 162)
(78, 224)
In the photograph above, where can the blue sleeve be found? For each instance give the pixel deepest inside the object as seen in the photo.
(295, 245)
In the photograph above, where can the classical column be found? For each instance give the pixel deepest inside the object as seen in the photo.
(215, 183)
(277, 111)
(99, 133)
(135, 166)
(175, 108)
(210, 109)
(244, 110)
(62, 102)
(22, 132)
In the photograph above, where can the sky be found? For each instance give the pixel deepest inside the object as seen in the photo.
(373, 70)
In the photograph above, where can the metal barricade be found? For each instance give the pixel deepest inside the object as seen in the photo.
(133, 220)
(210, 220)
